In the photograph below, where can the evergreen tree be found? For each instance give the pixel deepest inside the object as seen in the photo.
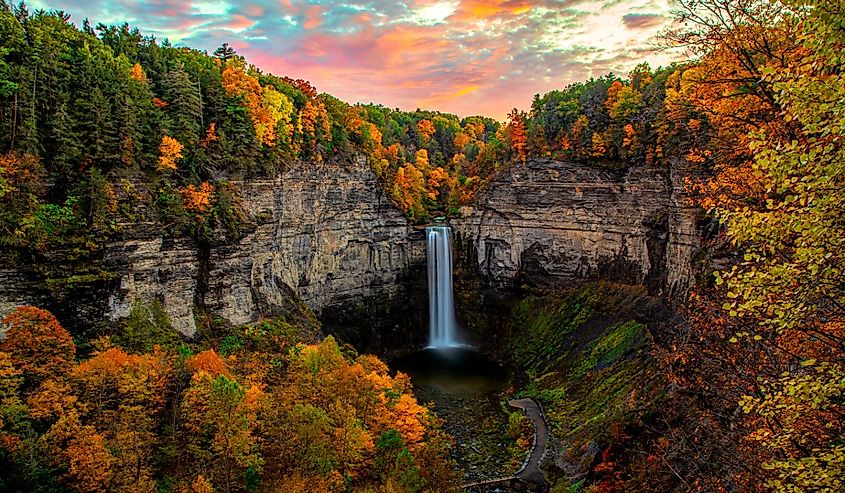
(184, 107)
(225, 52)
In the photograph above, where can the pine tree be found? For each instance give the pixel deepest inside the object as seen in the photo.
(225, 52)
(184, 107)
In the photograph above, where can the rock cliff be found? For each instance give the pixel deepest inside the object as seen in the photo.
(550, 221)
(324, 233)
(330, 234)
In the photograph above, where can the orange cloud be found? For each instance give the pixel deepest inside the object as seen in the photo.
(475, 10)
(466, 90)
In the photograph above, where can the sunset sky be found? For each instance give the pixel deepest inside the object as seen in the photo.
(465, 57)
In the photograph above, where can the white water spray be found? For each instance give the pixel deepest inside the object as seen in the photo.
(441, 308)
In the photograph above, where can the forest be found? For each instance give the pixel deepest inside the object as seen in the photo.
(103, 126)
(146, 412)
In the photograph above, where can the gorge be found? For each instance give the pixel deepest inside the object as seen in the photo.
(326, 234)
(216, 278)
(326, 241)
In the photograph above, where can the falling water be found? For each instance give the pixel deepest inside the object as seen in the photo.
(441, 310)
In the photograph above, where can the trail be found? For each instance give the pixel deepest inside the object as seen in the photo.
(531, 470)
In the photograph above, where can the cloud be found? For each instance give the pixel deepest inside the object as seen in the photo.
(461, 56)
(642, 21)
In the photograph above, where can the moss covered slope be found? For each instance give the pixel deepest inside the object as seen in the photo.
(584, 353)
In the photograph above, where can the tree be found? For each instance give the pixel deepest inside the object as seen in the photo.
(20, 178)
(316, 127)
(37, 344)
(137, 73)
(440, 183)
(202, 485)
(409, 188)
(124, 397)
(613, 95)
(581, 136)
(738, 41)
(598, 148)
(421, 160)
(630, 141)
(461, 140)
(794, 253)
(170, 150)
(517, 134)
(425, 129)
(184, 108)
(267, 108)
(208, 361)
(768, 337)
(197, 199)
(89, 461)
(225, 52)
(221, 417)
(277, 117)
(12, 409)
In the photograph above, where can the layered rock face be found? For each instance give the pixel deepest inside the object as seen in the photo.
(330, 234)
(324, 232)
(550, 221)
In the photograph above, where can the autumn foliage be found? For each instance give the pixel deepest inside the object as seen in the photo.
(426, 129)
(198, 199)
(516, 134)
(763, 348)
(37, 344)
(268, 416)
(137, 73)
(170, 150)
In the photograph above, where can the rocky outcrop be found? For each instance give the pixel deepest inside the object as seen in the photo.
(154, 269)
(550, 221)
(324, 233)
(330, 234)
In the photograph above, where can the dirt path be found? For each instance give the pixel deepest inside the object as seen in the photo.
(531, 470)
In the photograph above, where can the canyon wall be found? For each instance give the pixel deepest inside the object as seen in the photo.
(323, 232)
(547, 221)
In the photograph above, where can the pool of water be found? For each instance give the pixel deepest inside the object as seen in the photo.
(467, 389)
(457, 372)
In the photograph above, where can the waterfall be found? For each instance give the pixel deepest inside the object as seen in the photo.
(441, 310)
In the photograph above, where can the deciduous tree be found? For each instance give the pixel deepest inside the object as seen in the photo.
(38, 344)
(170, 150)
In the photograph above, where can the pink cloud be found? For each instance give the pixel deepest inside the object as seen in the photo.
(313, 17)
(238, 22)
(253, 10)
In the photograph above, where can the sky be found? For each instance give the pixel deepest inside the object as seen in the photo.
(469, 57)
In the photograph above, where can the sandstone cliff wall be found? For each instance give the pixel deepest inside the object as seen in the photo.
(551, 221)
(330, 234)
(326, 234)
(324, 231)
